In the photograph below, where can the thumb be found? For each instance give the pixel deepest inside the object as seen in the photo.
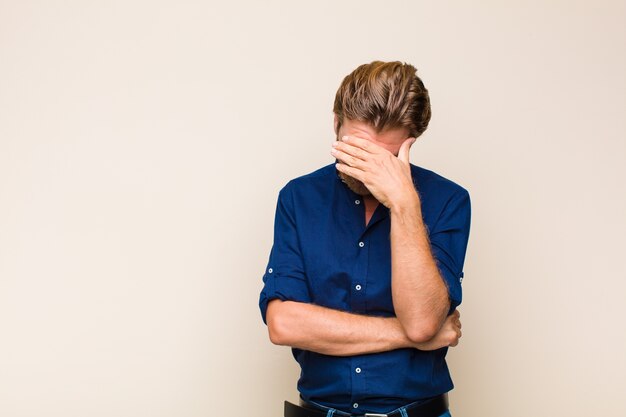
(403, 153)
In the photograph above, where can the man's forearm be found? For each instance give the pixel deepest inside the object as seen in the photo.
(333, 332)
(420, 296)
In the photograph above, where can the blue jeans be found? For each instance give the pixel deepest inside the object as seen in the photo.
(332, 412)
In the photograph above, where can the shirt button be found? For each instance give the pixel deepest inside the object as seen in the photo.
(357, 201)
(355, 405)
(461, 279)
(358, 370)
(361, 244)
(270, 270)
(358, 287)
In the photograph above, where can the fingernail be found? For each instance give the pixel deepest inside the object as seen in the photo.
(335, 144)
(345, 138)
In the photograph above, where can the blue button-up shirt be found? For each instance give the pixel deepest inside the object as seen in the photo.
(323, 253)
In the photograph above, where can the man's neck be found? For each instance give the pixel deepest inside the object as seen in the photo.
(370, 206)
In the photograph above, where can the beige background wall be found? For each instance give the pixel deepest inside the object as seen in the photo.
(143, 143)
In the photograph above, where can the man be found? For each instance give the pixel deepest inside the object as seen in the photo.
(364, 275)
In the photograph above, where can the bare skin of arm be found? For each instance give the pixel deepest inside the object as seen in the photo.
(420, 295)
(339, 333)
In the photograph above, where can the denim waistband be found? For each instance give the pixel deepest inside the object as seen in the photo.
(334, 411)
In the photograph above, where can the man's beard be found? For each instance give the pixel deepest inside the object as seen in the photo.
(355, 185)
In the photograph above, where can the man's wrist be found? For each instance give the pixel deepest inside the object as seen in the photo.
(409, 203)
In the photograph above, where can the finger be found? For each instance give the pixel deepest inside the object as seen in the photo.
(405, 148)
(351, 171)
(347, 159)
(351, 150)
(364, 144)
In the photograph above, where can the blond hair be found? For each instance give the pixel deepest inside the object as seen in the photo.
(386, 95)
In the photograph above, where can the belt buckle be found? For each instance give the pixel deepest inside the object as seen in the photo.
(375, 415)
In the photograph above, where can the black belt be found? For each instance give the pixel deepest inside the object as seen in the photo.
(433, 407)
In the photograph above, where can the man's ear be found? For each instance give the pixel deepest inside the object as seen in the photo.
(336, 122)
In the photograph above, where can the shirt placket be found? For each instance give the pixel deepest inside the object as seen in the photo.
(358, 369)
(358, 286)
(359, 290)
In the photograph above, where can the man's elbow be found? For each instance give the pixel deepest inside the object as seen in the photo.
(277, 322)
(425, 328)
(421, 332)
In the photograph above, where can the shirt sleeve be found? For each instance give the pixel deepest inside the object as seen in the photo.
(448, 243)
(284, 276)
